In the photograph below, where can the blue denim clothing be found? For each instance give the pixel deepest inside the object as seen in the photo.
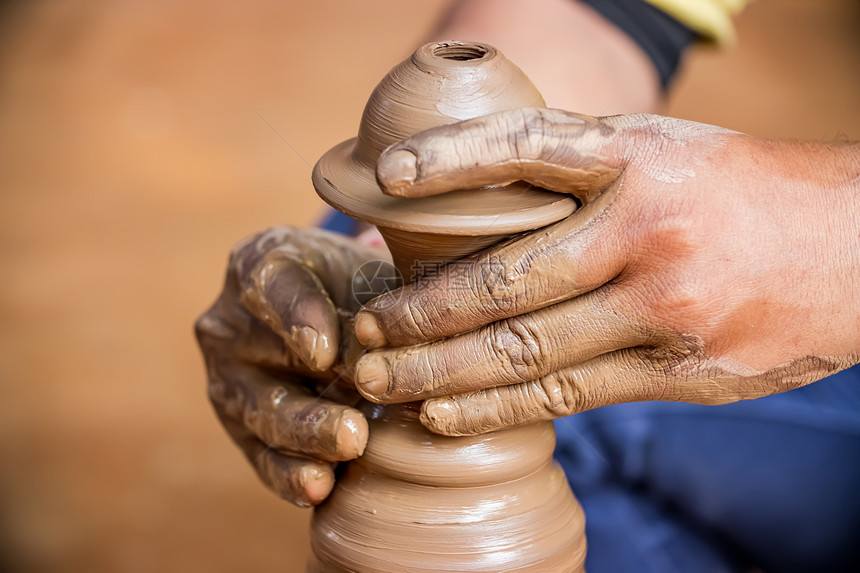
(682, 488)
(672, 487)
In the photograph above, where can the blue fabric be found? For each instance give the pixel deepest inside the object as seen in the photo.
(771, 483)
(339, 223)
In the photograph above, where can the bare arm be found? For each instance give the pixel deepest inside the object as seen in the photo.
(577, 59)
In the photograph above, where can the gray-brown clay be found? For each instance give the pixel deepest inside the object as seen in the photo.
(416, 501)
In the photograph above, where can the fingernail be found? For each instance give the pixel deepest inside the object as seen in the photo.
(439, 416)
(368, 332)
(316, 482)
(396, 171)
(313, 348)
(351, 437)
(371, 376)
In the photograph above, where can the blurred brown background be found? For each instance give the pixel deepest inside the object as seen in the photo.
(134, 153)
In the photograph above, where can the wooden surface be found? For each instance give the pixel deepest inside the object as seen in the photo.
(135, 148)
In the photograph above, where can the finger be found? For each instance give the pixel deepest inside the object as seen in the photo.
(293, 302)
(554, 149)
(664, 372)
(300, 481)
(574, 256)
(303, 482)
(511, 351)
(285, 416)
(333, 258)
(627, 375)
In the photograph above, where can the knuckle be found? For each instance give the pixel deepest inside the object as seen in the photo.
(245, 250)
(683, 293)
(516, 344)
(202, 329)
(527, 129)
(226, 394)
(417, 321)
(493, 280)
(675, 234)
(683, 304)
(562, 394)
(497, 286)
(672, 288)
(206, 327)
(248, 252)
(216, 391)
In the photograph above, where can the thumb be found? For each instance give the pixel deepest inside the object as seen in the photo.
(554, 149)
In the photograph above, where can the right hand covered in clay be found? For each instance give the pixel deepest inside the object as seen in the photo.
(704, 266)
(276, 341)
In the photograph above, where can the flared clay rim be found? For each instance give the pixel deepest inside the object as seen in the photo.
(350, 185)
(351, 188)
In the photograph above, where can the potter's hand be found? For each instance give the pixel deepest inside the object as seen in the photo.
(272, 343)
(705, 266)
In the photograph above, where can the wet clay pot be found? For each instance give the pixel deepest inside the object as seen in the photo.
(416, 501)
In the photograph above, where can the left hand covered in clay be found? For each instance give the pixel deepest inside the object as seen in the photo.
(704, 266)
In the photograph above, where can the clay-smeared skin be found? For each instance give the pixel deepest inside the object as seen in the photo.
(274, 340)
(706, 266)
(416, 501)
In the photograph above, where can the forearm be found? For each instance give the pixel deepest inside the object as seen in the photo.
(814, 199)
(577, 59)
(829, 175)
